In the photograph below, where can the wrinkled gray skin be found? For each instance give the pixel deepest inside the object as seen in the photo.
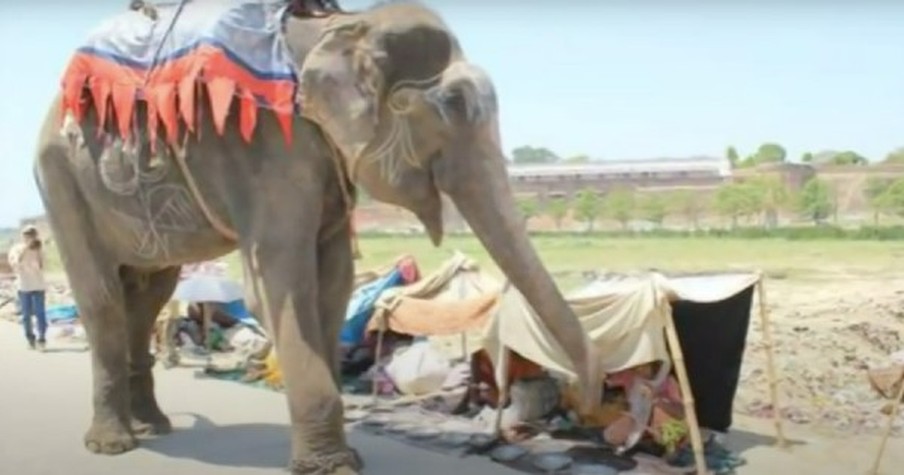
(125, 226)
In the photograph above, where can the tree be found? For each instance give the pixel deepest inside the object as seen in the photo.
(849, 157)
(529, 207)
(892, 199)
(577, 159)
(587, 207)
(530, 155)
(735, 200)
(732, 155)
(771, 197)
(816, 200)
(807, 157)
(895, 156)
(874, 192)
(766, 153)
(557, 210)
(654, 208)
(691, 204)
(620, 204)
(771, 153)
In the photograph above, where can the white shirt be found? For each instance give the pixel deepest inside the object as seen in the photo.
(28, 264)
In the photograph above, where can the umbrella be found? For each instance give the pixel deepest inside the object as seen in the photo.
(208, 288)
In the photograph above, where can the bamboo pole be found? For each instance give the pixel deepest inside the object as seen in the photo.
(895, 410)
(687, 396)
(378, 363)
(503, 392)
(771, 373)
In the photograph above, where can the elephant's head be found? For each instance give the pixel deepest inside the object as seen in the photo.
(392, 90)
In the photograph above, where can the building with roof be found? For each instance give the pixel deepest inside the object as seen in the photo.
(553, 180)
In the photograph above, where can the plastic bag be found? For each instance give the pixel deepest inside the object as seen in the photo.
(419, 370)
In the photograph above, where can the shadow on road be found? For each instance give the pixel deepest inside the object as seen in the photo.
(235, 445)
(742, 441)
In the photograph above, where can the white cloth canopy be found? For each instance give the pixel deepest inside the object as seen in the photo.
(208, 288)
(624, 318)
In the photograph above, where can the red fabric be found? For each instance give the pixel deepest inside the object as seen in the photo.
(169, 92)
(482, 372)
(409, 270)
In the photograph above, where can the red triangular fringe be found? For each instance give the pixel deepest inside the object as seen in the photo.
(167, 103)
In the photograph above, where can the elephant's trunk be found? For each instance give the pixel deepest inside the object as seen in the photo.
(477, 182)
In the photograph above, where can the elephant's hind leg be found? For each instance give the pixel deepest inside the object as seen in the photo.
(145, 296)
(98, 293)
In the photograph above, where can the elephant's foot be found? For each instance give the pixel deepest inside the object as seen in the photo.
(348, 462)
(109, 439)
(148, 419)
(152, 426)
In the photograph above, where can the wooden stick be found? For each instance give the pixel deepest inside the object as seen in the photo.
(895, 410)
(771, 373)
(378, 363)
(687, 396)
(503, 392)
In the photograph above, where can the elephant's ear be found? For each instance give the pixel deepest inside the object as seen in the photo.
(339, 84)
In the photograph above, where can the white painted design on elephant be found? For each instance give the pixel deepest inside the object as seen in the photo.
(398, 147)
(165, 206)
(72, 131)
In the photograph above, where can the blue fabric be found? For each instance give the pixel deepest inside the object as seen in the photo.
(32, 304)
(62, 313)
(248, 31)
(361, 306)
(237, 310)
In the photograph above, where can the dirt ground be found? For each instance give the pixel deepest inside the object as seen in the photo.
(827, 333)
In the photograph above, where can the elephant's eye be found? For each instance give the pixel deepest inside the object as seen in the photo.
(454, 102)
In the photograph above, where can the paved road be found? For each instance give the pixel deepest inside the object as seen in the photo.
(225, 428)
(221, 428)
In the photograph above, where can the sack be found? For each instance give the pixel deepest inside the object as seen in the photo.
(419, 370)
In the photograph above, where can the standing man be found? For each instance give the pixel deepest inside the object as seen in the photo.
(27, 260)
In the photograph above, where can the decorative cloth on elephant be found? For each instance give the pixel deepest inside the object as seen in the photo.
(235, 49)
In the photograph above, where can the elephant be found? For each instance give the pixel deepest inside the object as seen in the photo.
(390, 104)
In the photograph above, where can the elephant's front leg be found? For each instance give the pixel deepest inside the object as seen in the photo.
(284, 279)
(336, 273)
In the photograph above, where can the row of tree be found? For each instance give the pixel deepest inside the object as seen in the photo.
(762, 200)
(766, 153)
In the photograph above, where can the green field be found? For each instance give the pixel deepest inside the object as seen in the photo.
(567, 256)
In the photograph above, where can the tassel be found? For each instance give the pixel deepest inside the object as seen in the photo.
(124, 105)
(186, 95)
(165, 99)
(221, 92)
(285, 123)
(100, 92)
(248, 116)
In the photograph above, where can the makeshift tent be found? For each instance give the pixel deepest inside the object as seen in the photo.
(632, 320)
(361, 306)
(635, 320)
(455, 299)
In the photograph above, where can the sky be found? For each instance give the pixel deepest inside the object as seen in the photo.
(612, 79)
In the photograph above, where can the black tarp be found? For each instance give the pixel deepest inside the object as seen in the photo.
(713, 337)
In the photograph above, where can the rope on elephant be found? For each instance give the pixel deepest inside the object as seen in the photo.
(214, 220)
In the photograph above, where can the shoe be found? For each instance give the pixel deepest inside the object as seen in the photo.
(31, 344)
(42, 346)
